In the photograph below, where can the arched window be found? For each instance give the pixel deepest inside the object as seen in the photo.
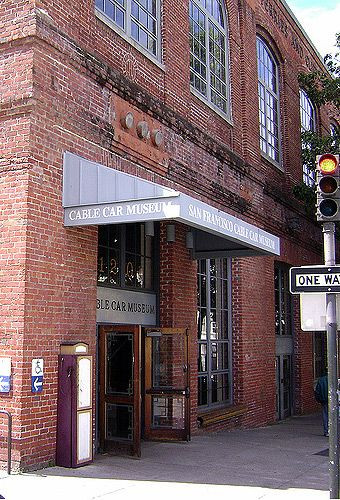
(268, 101)
(209, 74)
(138, 19)
(307, 120)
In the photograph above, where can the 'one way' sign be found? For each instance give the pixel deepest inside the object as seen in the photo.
(315, 279)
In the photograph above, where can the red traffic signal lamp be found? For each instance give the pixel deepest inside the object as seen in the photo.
(327, 187)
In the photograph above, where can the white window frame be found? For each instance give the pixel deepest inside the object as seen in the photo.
(307, 122)
(266, 92)
(206, 61)
(125, 32)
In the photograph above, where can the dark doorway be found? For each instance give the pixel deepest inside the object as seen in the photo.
(119, 389)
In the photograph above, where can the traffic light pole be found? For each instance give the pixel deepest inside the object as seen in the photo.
(332, 358)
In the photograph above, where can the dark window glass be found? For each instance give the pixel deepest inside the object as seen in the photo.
(109, 255)
(119, 354)
(125, 256)
(119, 422)
(202, 391)
(320, 354)
(283, 302)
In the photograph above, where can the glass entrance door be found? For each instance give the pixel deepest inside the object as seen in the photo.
(283, 386)
(167, 384)
(119, 389)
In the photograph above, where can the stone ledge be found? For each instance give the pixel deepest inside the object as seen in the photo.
(222, 414)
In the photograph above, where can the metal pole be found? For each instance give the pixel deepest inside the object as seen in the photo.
(332, 355)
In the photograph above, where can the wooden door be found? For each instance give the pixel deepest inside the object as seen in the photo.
(167, 394)
(119, 389)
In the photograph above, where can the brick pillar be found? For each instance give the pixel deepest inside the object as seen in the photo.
(254, 339)
(178, 297)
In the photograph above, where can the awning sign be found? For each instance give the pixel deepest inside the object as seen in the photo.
(95, 194)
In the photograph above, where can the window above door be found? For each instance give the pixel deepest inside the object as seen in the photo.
(125, 257)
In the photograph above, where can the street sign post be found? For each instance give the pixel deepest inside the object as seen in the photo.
(318, 279)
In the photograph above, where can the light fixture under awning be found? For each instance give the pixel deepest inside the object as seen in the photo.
(94, 194)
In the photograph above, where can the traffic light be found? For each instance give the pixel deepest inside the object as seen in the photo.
(327, 188)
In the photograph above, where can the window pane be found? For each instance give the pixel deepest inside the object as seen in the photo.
(102, 265)
(131, 237)
(130, 269)
(202, 324)
(114, 236)
(119, 422)
(202, 391)
(203, 290)
(119, 374)
(202, 357)
(213, 291)
(219, 355)
(168, 412)
(103, 235)
(114, 266)
(219, 388)
(139, 271)
(110, 9)
(120, 17)
(214, 326)
(223, 332)
(283, 302)
(108, 265)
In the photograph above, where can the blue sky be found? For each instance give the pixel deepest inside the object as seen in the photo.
(321, 21)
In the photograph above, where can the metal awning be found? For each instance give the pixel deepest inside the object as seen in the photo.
(94, 194)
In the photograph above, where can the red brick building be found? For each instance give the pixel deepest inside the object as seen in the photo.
(148, 154)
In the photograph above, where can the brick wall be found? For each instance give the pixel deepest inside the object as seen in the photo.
(65, 81)
(178, 298)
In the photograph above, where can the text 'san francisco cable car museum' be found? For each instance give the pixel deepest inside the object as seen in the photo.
(149, 151)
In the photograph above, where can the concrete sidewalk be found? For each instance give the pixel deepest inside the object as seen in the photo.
(282, 461)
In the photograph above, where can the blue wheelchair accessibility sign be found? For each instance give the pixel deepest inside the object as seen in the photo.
(37, 375)
(37, 384)
(5, 383)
